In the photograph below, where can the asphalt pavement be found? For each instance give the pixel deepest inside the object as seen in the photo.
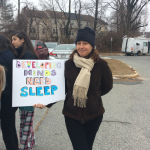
(126, 122)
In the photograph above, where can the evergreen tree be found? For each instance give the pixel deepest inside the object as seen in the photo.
(6, 15)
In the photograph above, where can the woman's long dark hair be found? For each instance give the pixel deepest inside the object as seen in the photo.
(5, 44)
(27, 45)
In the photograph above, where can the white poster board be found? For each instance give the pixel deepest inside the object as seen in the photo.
(37, 81)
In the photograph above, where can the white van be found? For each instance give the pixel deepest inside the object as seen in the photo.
(137, 46)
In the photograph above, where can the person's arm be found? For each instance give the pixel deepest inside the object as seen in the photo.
(66, 89)
(8, 83)
(107, 80)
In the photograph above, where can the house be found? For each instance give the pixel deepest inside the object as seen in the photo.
(55, 26)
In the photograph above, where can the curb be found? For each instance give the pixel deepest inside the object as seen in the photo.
(111, 55)
(127, 76)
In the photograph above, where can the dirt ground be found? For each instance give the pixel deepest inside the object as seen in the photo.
(118, 67)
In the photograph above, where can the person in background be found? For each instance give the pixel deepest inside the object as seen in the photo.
(25, 50)
(2, 86)
(88, 77)
(7, 54)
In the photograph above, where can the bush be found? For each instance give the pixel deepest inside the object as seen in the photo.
(103, 42)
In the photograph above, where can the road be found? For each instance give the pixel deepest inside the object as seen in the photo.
(126, 123)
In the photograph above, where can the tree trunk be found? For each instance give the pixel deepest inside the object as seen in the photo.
(96, 14)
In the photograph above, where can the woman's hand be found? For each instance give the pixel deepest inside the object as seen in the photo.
(39, 106)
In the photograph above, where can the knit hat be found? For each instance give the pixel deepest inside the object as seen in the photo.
(87, 34)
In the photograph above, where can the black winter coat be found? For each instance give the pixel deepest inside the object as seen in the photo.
(28, 55)
(6, 58)
(101, 83)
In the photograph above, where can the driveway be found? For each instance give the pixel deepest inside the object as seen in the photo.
(126, 123)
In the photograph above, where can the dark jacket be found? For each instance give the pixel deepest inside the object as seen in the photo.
(27, 55)
(6, 58)
(100, 84)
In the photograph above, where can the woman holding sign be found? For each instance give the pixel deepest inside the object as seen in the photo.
(25, 50)
(88, 77)
(8, 127)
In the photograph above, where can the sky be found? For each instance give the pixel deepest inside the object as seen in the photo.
(36, 3)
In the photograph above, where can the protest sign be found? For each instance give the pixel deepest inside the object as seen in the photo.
(37, 81)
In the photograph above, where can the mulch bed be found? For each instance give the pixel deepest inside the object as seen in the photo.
(119, 68)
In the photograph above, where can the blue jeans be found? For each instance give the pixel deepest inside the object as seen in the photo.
(82, 135)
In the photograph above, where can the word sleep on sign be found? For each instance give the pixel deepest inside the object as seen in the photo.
(24, 91)
(38, 81)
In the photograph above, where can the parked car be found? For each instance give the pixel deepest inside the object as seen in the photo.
(51, 46)
(40, 48)
(63, 50)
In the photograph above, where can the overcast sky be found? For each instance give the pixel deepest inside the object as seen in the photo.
(36, 3)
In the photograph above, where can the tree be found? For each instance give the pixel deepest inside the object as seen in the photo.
(78, 4)
(128, 14)
(67, 27)
(6, 17)
(96, 14)
(97, 9)
(49, 9)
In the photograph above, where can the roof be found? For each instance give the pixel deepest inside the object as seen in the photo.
(59, 15)
(73, 16)
(34, 13)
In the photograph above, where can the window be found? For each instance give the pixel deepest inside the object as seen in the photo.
(106, 27)
(39, 44)
(72, 23)
(72, 33)
(100, 27)
(137, 44)
(43, 45)
(145, 44)
(32, 30)
(80, 23)
(43, 30)
(63, 22)
(54, 31)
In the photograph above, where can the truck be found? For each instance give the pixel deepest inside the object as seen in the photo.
(136, 46)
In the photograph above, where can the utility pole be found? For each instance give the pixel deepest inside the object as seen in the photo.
(111, 42)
